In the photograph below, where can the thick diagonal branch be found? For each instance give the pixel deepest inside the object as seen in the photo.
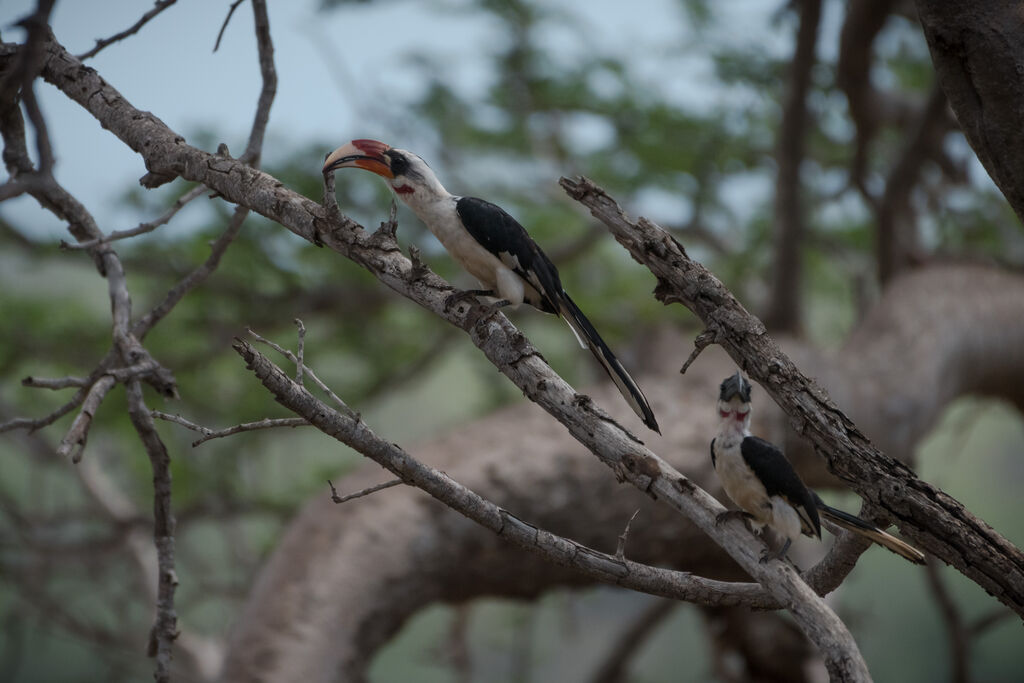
(924, 513)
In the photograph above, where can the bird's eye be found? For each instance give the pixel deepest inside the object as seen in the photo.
(399, 164)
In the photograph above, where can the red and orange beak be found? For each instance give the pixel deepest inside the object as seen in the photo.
(365, 154)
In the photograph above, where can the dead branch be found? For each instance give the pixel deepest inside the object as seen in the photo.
(165, 627)
(335, 498)
(924, 513)
(101, 43)
(637, 465)
(141, 228)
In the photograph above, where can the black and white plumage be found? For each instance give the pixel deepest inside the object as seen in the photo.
(491, 245)
(757, 477)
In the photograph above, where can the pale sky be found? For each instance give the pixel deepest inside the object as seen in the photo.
(335, 70)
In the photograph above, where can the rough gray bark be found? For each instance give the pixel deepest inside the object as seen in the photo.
(978, 52)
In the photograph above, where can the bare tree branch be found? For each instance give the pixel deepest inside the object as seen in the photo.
(142, 228)
(73, 442)
(265, 49)
(57, 383)
(166, 155)
(209, 434)
(362, 492)
(165, 627)
(227, 19)
(636, 464)
(932, 518)
(158, 7)
(603, 567)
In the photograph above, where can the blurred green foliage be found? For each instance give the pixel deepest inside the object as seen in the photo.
(702, 167)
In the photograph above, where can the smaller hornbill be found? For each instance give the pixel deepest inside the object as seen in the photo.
(758, 477)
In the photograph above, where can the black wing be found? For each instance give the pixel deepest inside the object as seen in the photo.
(712, 452)
(503, 236)
(780, 479)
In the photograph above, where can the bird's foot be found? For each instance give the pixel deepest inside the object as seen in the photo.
(460, 295)
(768, 555)
(490, 309)
(733, 514)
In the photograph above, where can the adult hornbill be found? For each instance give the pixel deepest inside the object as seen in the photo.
(491, 245)
(758, 477)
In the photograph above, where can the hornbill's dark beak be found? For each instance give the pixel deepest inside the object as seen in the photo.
(737, 386)
(366, 154)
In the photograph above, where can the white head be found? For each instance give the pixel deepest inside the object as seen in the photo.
(407, 174)
(734, 402)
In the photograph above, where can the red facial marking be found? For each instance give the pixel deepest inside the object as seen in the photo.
(724, 413)
(404, 189)
(740, 416)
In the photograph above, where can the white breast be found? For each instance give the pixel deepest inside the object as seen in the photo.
(739, 481)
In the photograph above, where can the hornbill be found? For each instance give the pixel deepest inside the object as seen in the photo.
(491, 245)
(758, 477)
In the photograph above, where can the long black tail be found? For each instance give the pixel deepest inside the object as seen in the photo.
(868, 530)
(588, 336)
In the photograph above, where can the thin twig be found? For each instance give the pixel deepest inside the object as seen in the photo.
(208, 434)
(157, 8)
(142, 228)
(703, 340)
(165, 626)
(194, 278)
(32, 424)
(220, 34)
(620, 549)
(268, 74)
(308, 371)
(388, 228)
(419, 268)
(300, 351)
(74, 441)
(56, 383)
(364, 492)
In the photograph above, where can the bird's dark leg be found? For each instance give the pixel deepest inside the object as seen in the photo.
(489, 309)
(463, 294)
(733, 514)
(767, 555)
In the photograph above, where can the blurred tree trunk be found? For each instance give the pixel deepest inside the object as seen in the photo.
(784, 309)
(978, 52)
